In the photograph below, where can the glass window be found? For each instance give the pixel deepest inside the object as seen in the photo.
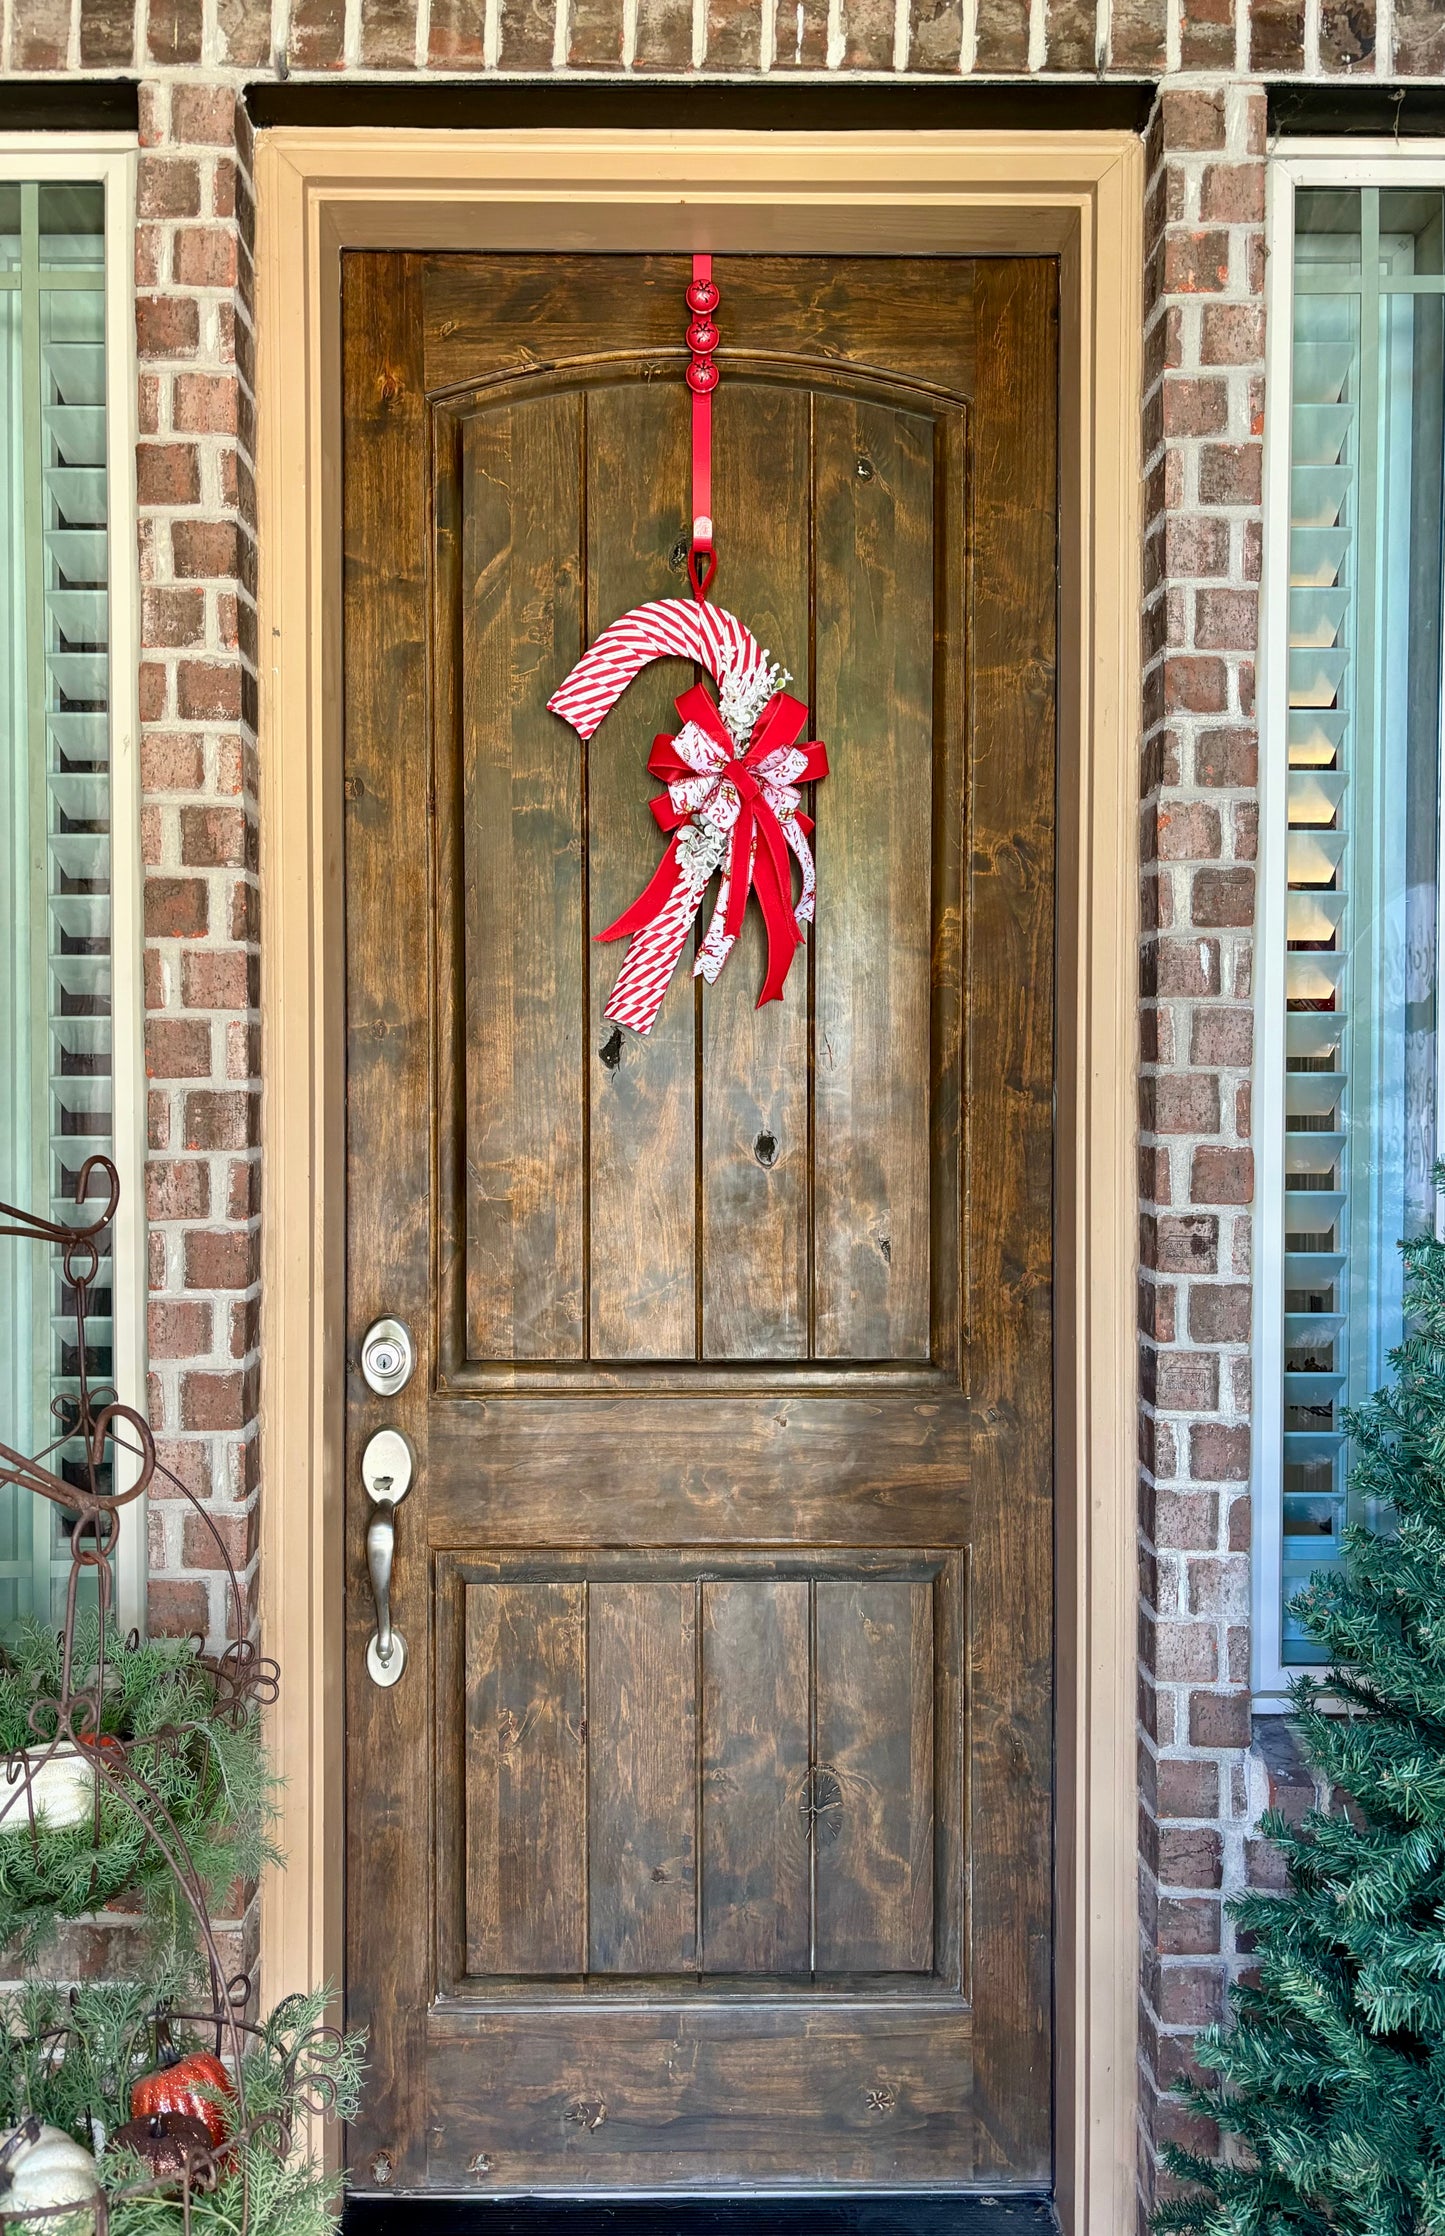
(55, 893)
(1361, 740)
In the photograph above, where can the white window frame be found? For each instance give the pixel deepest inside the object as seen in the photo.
(109, 159)
(1293, 165)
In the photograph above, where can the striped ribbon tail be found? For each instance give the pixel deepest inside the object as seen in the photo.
(652, 958)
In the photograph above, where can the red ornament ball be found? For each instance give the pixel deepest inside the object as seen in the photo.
(702, 295)
(702, 336)
(702, 376)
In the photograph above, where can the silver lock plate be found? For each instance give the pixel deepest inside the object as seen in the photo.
(387, 1465)
(381, 1670)
(387, 1357)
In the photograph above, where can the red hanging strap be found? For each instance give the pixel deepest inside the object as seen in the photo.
(702, 379)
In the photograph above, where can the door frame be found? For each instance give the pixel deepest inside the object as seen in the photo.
(1078, 196)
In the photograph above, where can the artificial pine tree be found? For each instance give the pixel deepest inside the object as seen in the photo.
(1332, 2073)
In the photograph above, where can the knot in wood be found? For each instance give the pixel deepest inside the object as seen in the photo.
(821, 1803)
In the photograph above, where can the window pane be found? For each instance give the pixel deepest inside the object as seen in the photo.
(1416, 220)
(1362, 928)
(54, 840)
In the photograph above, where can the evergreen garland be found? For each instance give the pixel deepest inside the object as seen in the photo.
(208, 1770)
(1332, 2074)
(108, 2035)
(71, 2055)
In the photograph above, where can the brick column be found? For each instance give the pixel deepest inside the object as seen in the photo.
(1203, 419)
(198, 712)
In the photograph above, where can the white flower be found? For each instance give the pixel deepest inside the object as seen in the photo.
(700, 849)
(742, 695)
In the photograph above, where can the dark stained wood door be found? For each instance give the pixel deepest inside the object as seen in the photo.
(706, 1840)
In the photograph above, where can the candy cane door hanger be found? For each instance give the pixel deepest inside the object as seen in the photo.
(699, 936)
(733, 768)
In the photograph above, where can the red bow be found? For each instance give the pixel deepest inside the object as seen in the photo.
(751, 800)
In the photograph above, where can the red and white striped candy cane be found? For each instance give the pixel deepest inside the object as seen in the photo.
(667, 629)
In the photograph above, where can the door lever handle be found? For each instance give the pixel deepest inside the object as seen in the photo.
(386, 1646)
(386, 1470)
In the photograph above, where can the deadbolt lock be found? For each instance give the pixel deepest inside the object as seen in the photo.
(387, 1357)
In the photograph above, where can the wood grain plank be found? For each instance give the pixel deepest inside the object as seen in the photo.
(1010, 1200)
(642, 1785)
(873, 1839)
(385, 744)
(950, 829)
(754, 1177)
(905, 316)
(525, 1779)
(675, 2099)
(874, 635)
(671, 1470)
(755, 1867)
(522, 786)
(643, 1150)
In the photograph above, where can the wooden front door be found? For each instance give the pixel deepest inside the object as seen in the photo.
(706, 1839)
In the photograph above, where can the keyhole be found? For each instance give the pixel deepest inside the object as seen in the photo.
(677, 557)
(865, 469)
(611, 1049)
(765, 1149)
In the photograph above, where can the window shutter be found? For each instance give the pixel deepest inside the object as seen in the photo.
(1322, 559)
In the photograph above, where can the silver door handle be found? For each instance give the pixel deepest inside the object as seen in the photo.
(386, 1645)
(386, 1470)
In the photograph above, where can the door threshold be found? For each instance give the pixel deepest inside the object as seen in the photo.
(906, 2213)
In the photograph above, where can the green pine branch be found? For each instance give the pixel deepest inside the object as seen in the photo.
(1328, 2082)
(188, 1762)
(71, 2056)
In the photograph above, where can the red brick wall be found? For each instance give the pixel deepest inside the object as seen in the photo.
(229, 40)
(198, 705)
(1203, 424)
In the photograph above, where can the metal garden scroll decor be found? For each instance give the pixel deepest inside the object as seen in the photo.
(44, 2180)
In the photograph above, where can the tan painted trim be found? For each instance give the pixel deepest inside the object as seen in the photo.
(1078, 196)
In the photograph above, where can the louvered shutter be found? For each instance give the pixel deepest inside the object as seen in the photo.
(1360, 855)
(57, 987)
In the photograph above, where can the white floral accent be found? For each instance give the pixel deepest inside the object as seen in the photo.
(700, 851)
(743, 693)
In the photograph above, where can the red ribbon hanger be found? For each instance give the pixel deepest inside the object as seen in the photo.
(702, 379)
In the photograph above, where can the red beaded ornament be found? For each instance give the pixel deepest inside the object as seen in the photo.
(702, 376)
